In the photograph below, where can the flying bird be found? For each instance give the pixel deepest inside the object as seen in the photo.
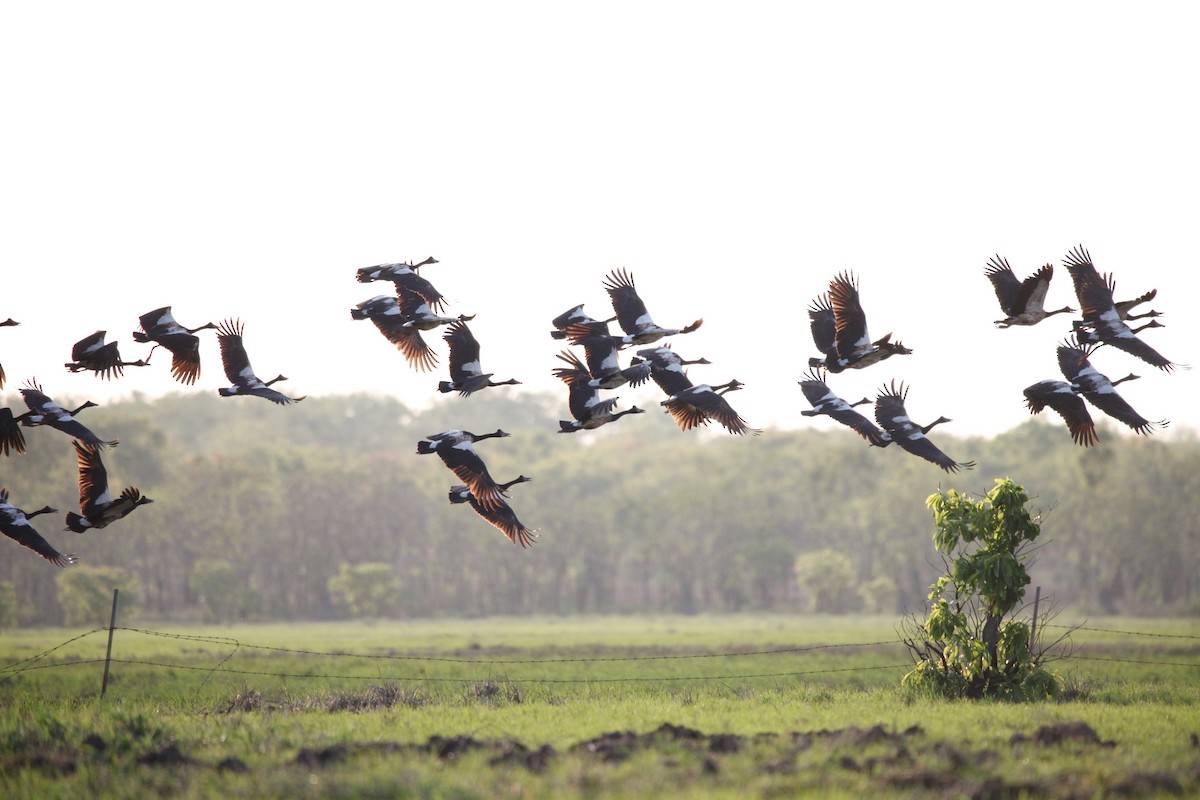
(1022, 301)
(893, 418)
(5, 324)
(667, 368)
(44, 411)
(466, 376)
(93, 354)
(1095, 293)
(500, 515)
(572, 316)
(418, 314)
(1125, 307)
(99, 508)
(1064, 398)
(11, 438)
(698, 404)
(825, 402)
(457, 451)
(631, 312)
(1097, 389)
(15, 525)
(1079, 264)
(406, 276)
(601, 350)
(238, 369)
(159, 326)
(384, 311)
(849, 345)
(589, 411)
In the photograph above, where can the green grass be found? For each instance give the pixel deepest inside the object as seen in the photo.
(296, 737)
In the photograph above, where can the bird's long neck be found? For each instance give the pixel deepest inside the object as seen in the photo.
(934, 424)
(516, 480)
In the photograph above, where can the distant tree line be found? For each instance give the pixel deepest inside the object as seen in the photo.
(323, 510)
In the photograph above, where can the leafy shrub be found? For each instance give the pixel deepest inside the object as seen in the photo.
(966, 647)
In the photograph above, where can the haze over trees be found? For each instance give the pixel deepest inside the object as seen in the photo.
(262, 515)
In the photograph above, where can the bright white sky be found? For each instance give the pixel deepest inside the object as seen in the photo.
(244, 159)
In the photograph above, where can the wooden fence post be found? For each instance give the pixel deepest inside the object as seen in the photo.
(1037, 596)
(112, 623)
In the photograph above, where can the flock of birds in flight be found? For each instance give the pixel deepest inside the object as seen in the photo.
(839, 330)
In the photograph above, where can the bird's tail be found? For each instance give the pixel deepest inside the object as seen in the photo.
(77, 523)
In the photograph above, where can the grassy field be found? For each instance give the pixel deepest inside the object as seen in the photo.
(723, 706)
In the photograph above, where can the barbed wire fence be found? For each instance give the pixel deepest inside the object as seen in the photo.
(40, 660)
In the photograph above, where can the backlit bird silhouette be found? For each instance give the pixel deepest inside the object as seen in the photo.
(631, 312)
(97, 505)
(93, 354)
(15, 524)
(601, 350)
(457, 451)
(1064, 398)
(5, 324)
(44, 411)
(589, 411)
(238, 370)
(698, 404)
(825, 402)
(1023, 302)
(839, 330)
(893, 418)
(1095, 293)
(500, 515)
(570, 317)
(1097, 389)
(384, 311)
(406, 276)
(11, 438)
(1079, 264)
(159, 326)
(466, 376)
(667, 368)
(418, 314)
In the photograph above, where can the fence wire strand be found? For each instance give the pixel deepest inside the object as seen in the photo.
(32, 662)
(456, 660)
(441, 679)
(12, 669)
